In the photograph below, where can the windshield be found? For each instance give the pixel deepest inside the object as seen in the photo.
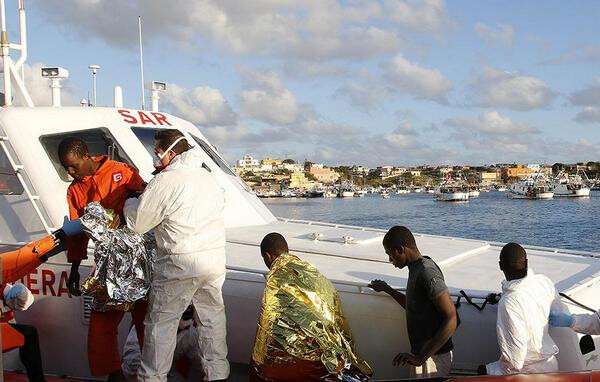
(146, 136)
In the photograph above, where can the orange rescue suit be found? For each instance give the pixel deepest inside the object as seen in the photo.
(111, 185)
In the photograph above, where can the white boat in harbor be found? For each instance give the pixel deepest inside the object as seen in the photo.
(360, 193)
(349, 256)
(473, 192)
(566, 185)
(402, 191)
(449, 192)
(346, 193)
(288, 193)
(534, 187)
(501, 189)
(418, 189)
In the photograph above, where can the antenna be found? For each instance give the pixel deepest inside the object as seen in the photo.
(141, 62)
(14, 69)
(94, 69)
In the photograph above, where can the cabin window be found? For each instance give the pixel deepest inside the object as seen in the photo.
(9, 184)
(146, 136)
(99, 142)
(213, 155)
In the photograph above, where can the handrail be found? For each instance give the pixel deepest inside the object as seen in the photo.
(358, 284)
(17, 168)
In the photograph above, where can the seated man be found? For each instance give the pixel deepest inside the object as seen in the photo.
(522, 326)
(431, 317)
(18, 298)
(302, 333)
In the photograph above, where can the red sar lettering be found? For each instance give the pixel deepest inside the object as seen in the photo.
(48, 281)
(144, 119)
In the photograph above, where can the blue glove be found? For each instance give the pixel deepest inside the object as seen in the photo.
(560, 320)
(15, 291)
(72, 227)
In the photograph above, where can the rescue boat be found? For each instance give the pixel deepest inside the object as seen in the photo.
(32, 205)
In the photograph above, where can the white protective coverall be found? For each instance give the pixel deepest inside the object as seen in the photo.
(587, 323)
(522, 327)
(187, 346)
(184, 205)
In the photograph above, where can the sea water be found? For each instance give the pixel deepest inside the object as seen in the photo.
(569, 223)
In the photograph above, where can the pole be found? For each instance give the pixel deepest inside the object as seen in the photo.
(155, 98)
(55, 85)
(4, 46)
(94, 88)
(141, 62)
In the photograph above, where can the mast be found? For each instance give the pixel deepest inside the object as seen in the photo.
(141, 62)
(14, 71)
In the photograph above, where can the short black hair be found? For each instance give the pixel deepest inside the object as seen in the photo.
(74, 146)
(165, 138)
(514, 257)
(274, 243)
(398, 237)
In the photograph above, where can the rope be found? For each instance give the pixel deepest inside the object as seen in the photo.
(577, 302)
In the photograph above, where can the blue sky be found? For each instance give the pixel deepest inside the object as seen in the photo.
(366, 82)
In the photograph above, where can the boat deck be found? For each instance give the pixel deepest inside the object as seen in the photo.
(355, 256)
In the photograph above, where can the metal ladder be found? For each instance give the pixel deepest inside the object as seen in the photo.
(19, 170)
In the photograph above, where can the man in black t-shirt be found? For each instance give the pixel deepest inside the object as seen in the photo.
(431, 317)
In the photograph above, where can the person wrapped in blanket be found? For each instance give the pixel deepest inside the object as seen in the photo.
(302, 333)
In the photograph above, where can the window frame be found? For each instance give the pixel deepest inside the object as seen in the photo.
(10, 173)
(196, 141)
(60, 170)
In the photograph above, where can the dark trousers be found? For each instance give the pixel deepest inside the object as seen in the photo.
(29, 353)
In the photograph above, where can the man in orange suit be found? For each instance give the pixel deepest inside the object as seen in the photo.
(99, 179)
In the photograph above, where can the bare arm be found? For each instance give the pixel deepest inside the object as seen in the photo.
(443, 303)
(382, 286)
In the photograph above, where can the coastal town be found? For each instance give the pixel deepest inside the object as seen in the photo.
(279, 177)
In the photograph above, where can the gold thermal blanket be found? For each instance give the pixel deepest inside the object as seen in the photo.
(302, 318)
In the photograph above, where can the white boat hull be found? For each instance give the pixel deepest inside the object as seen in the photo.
(473, 194)
(452, 196)
(539, 196)
(563, 191)
(347, 194)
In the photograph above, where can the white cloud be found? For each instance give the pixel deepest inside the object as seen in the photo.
(491, 123)
(426, 15)
(503, 34)
(589, 114)
(266, 99)
(312, 30)
(589, 96)
(301, 69)
(365, 97)
(423, 83)
(496, 88)
(201, 105)
(584, 53)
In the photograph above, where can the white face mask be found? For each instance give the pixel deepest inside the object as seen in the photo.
(158, 157)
